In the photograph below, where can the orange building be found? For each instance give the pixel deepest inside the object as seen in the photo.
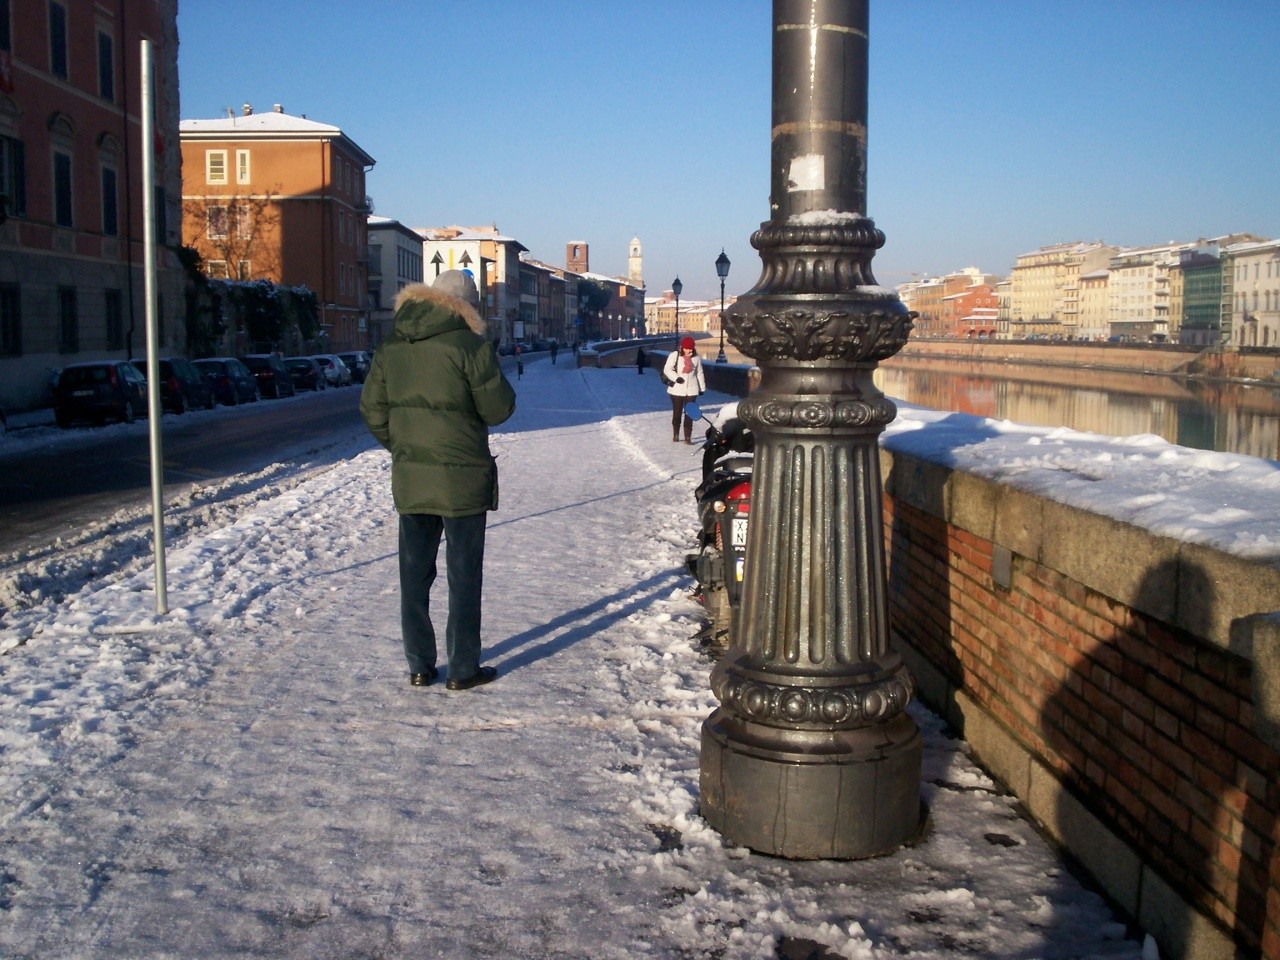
(971, 313)
(282, 198)
(71, 159)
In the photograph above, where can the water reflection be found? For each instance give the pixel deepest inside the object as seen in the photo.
(1208, 416)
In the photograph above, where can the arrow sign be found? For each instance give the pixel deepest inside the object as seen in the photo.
(437, 260)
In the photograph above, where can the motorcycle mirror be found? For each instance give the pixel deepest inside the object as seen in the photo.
(692, 410)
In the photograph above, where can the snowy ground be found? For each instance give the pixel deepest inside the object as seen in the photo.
(250, 775)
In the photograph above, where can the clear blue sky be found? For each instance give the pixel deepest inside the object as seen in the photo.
(995, 127)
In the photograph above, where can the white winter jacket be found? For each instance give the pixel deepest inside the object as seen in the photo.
(684, 384)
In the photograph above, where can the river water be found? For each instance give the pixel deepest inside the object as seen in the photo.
(1232, 417)
(1206, 415)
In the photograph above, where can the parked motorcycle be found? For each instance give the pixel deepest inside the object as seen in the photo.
(724, 507)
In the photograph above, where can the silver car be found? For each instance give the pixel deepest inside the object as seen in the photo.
(337, 373)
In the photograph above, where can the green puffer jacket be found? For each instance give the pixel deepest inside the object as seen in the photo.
(431, 394)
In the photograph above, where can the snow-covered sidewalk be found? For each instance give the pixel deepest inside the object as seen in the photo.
(251, 775)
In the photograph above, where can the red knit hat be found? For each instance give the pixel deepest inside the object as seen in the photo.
(686, 343)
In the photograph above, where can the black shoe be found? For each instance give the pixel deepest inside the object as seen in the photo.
(423, 679)
(481, 676)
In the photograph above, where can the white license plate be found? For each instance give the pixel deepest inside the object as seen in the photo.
(738, 536)
(82, 393)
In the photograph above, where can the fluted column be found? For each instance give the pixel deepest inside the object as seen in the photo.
(810, 753)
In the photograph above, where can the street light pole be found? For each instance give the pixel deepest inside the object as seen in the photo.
(676, 287)
(722, 270)
(811, 753)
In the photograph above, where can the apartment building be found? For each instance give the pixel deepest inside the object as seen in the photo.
(395, 261)
(282, 198)
(1139, 291)
(1196, 296)
(1251, 285)
(971, 313)
(937, 300)
(660, 313)
(1045, 294)
(71, 165)
(1094, 317)
(493, 259)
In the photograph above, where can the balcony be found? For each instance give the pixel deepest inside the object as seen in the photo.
(365, 206)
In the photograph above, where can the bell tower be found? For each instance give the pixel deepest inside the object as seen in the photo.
(635, 263)
(577, 257)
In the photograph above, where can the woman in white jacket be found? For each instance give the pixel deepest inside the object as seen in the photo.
(685, 381)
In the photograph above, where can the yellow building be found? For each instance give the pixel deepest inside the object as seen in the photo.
(1045, 291)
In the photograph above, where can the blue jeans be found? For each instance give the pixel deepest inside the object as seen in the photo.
(464, 565)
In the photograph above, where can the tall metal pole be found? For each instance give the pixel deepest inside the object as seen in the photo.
(811, 753)
(153, 333)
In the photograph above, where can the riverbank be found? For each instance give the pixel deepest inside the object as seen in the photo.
(1247, 365)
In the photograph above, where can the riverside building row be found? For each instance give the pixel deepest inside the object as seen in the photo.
(1221, 290)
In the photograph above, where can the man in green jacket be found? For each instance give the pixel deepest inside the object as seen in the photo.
(431, 394)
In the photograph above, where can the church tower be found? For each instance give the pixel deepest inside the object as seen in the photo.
(635, 263)
(577, 257)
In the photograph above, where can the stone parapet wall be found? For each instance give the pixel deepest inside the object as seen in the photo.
(1124, 685)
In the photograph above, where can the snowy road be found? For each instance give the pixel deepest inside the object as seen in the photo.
(251, 776)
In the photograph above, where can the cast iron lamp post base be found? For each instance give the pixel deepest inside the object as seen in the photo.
(811, 753)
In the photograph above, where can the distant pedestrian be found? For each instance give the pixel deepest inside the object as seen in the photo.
(555, 348)
(642, 360)
(682, 373)
(432, 393)
(519, 363)
(575, 353)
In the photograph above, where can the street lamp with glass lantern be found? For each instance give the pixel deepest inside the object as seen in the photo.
(722, 271)
(676, 287)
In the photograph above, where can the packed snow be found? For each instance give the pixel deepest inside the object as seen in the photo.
(251, 775)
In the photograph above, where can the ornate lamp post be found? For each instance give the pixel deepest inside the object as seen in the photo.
(811, 753)
(676, 287)
(722, 271)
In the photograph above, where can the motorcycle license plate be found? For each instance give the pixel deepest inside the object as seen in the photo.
(738, 536)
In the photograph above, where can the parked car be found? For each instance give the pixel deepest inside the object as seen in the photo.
(335, 371)
(358, 362)
(269, 370)
(182, 385)
(231, 381)
(306, 372)
(98, 391)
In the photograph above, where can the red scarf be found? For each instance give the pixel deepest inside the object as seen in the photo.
(688, 363)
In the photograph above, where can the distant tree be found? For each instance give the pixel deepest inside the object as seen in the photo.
(231, 231)
(593, 297)
(205, 328)
(301, 311)
(260, 311)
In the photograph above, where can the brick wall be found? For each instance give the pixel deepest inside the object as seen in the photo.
(1120, 683)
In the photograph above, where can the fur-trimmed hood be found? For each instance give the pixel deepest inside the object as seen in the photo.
(423, 311)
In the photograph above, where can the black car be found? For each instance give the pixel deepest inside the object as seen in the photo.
(269, 370)
(306, 372)
(99, 391)
(358, 362)
(231, 381)
(182, 386)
